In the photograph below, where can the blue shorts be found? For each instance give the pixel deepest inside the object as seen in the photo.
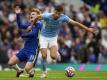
(25, 55)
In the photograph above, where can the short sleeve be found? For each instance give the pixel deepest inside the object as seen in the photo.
(68, 20)
(65, 18)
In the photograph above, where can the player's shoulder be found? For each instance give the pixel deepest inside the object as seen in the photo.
(39, 23)
(46, 14)
(64, 16)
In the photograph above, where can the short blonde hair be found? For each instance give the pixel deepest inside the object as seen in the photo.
(36, 10)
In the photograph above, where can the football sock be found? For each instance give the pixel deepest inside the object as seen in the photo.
(43, 65)
(16, 67)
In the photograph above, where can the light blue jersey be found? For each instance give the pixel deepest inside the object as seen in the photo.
(51, 26)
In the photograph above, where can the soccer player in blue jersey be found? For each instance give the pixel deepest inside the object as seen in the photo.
(49, 33)
(30, 51)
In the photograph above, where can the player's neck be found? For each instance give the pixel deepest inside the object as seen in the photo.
(54, 17)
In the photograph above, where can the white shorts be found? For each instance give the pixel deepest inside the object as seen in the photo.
(46, 42)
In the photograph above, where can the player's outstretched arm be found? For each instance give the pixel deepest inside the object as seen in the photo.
(92, 30)
(20, 23)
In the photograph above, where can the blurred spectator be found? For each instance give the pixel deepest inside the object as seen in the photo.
(15, 47)
(103, 20)
(40, 4)
(103, 54)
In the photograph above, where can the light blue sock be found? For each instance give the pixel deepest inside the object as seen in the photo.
(43, 64)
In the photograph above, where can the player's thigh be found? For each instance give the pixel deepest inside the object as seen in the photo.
(43, 46)
(53, 47)
(21, 55)
(13, 60)
(43, 42)
(28, 66)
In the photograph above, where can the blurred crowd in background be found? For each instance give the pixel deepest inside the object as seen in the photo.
(75, 45)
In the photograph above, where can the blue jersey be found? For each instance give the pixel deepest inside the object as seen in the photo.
(31, 37)
(51, 27)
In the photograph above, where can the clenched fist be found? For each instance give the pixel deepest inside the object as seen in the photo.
(17, 9)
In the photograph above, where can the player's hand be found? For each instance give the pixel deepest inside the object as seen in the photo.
(92, 30)
(38, 17)
(17, 9)
(29, 29)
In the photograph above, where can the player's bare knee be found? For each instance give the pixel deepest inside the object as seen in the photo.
(53, 52)
(14, 60)
(44, 53)
(44, 56)
(9, 63)
(28, 66)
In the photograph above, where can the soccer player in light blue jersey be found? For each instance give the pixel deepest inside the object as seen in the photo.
(49, 33)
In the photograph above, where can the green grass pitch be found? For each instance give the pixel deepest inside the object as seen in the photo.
(57, 75)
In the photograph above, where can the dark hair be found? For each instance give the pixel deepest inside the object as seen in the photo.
(59, 8)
